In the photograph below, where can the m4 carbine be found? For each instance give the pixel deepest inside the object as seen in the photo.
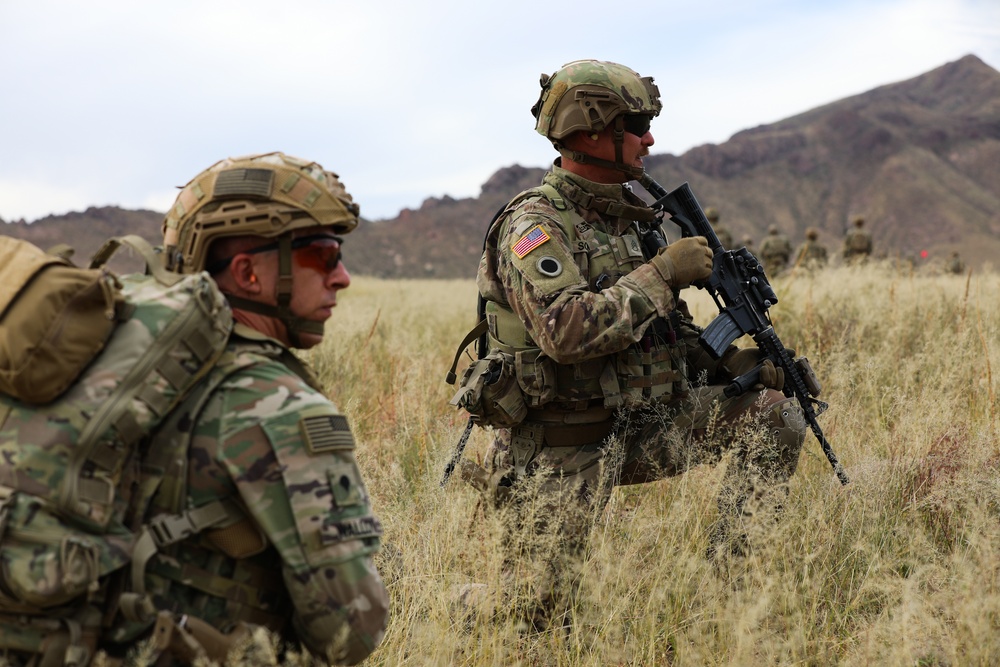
(743, 294)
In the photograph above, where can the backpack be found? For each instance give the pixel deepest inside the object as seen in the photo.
(90, 364)
(858, 241)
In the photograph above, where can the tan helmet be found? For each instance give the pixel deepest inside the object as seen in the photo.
(591, 95)
(264, 195)
(712, 214)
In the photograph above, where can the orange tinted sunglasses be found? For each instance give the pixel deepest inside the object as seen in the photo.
(318, 251)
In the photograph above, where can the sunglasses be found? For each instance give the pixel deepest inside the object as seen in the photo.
(317, 251)
(637, 124)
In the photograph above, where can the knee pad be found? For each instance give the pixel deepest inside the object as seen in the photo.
(788, 425)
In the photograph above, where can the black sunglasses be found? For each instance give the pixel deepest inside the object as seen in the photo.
(637, 123)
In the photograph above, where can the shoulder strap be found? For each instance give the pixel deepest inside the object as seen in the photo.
(481, 329)
(149, 255)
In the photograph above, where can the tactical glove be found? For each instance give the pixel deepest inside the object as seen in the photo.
(685, 261)
(736, 362)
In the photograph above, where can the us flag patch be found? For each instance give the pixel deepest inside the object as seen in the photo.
(326, 433)
(530, 241)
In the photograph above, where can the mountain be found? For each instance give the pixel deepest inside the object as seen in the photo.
(916, 158)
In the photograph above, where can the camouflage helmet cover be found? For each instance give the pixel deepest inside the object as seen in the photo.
(264, 195)
(588, 95)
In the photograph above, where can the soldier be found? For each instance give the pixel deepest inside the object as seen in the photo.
(812, 254)
(296, 555)
(955, 263)
(725, 237)
(775, 251)
(857, 242)
(616, 388)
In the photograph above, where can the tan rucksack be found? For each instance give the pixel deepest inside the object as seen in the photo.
(91, 364)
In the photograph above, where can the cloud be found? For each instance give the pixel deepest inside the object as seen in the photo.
(116, 101)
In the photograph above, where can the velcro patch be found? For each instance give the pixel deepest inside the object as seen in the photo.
(530, 241)
(326, 433)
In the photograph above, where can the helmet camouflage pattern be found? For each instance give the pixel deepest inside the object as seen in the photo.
(263, 195)
(588, 95)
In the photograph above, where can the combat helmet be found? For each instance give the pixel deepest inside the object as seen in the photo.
(266, 195)
(590, 95)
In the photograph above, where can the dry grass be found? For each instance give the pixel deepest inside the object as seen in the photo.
(901, 567)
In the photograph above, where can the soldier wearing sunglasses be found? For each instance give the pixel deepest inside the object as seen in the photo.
(295, 554)
(614, 387)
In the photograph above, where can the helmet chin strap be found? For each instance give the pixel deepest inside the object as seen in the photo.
(294, 324)
(634, 173)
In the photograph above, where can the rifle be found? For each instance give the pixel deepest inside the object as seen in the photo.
(746, 295)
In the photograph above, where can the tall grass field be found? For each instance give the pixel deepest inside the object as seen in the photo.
(900, 567)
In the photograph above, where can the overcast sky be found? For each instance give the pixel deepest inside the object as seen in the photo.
(119, 102)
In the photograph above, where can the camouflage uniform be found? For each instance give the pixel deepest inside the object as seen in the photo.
(857, 243)
(246, 506)
(721, 231)
(263, 435)
(955, 263)
(811, 254)
(775, 251)
(611, 400)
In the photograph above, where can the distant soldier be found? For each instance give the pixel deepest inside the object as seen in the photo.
(812, 254)
(955, 263)
(725, 237)
(775, 251)
(857, 242)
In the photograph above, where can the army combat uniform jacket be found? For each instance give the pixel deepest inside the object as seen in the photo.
(297, 555)
(591, 325)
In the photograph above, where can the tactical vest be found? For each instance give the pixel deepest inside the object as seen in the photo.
(813, 251)
(858, 242)
(652, 370)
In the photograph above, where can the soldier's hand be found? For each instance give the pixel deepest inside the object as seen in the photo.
(737, 362)
(685, 261)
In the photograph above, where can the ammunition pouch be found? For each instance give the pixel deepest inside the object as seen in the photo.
(490, 392)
